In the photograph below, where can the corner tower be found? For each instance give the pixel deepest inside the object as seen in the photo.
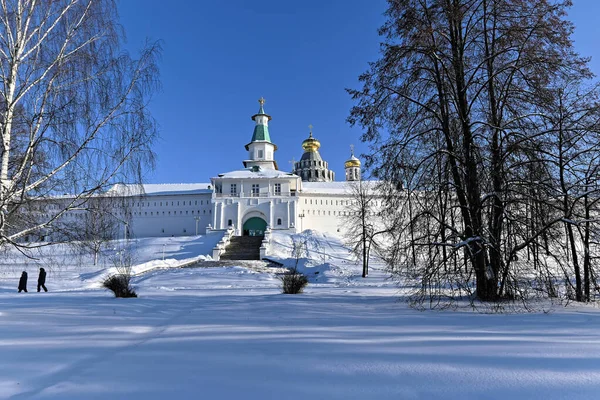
(260, 149)
(311, 167)
(352, 167)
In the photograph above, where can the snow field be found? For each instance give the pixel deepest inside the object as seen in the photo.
(228, 333)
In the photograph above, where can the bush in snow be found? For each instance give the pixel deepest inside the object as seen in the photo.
(120, 285)
(293, 282)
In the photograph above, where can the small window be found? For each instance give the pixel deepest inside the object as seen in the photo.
(278, 189)
(233, 189)
(229, 222)
(196, 202)
(278, 221)
(255, 189)
(260, 154)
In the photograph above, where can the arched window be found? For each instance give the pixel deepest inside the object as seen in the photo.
(278, 221)
(229, 222)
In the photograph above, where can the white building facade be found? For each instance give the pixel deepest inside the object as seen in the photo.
(250, 199)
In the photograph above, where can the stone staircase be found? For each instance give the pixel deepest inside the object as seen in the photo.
(243, 248)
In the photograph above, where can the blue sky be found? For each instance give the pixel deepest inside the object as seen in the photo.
(219, 57)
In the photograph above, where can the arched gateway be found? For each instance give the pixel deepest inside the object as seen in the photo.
(254, 226)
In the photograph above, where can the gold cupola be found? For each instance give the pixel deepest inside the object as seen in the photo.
(311, 144)
(312, 167)
(352, 167)
(352, 161)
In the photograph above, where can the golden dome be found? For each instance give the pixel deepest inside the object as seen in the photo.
(311, 144)
(352, 162)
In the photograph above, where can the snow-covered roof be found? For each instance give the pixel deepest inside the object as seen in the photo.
(160, 189)
(260, 173)
(340, 187)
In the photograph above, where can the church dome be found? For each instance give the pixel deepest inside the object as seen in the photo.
(352, 162)
(311, 155)
(312, 167)
(311, 144)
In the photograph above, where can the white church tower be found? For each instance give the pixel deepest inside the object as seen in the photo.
(352, 167)
(260, 149)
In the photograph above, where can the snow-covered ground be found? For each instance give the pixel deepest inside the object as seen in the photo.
(228, 333)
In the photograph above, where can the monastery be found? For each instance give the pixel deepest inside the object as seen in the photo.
(250, 199)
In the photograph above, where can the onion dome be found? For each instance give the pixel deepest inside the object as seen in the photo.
(352, 161)
(311, 144)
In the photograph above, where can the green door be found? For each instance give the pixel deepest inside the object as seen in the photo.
(255, 226)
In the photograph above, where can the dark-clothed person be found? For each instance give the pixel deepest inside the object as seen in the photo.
(42, 280)
(23, 282)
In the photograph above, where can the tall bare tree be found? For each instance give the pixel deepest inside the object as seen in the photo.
(362, 221)
(74, 112)
(458, 91)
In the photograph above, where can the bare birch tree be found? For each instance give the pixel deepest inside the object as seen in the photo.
(74, 113)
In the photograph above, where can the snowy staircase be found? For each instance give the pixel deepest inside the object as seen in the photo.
(243, 248)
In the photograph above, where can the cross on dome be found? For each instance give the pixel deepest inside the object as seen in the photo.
(261, 100)
(352, 149)
(310, 130)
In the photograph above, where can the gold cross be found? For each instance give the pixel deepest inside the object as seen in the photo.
(261, 100)
(310, 129)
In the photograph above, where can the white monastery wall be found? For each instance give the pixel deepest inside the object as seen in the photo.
(279, 199)
(171, 215)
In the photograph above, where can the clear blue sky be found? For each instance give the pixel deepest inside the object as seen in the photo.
(221, 56)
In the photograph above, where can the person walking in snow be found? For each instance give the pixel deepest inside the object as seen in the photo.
(42, 280)
(23, 282)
